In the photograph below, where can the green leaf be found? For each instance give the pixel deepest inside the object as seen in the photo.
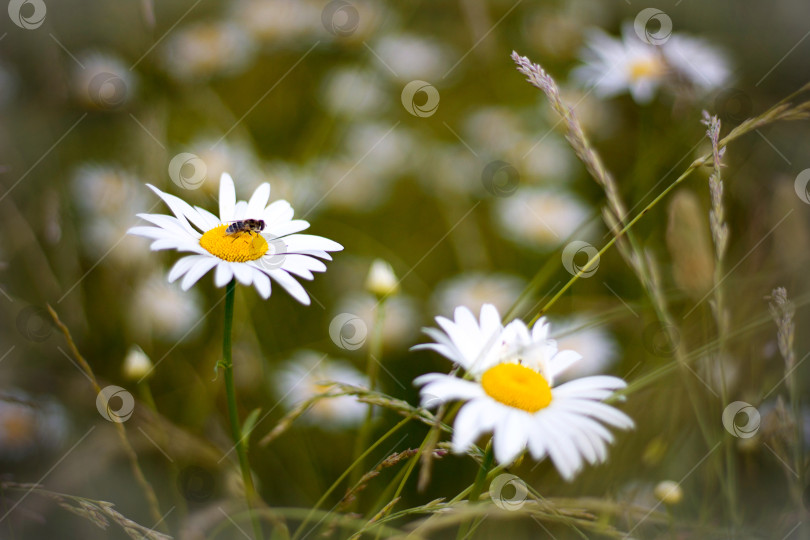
(250, 423)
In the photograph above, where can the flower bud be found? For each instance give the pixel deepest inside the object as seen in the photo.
(668, 492)
(136, 364)
(381, 279)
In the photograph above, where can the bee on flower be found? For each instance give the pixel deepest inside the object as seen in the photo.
(277, 251)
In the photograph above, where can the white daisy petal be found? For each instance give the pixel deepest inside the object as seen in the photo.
(289, 227)
(243, 273)
(469, 425)
(262, 284)
(290, 285)
(227, 198)
(201, 266)
(181, 209)
(181, 267)
(448, 388)
(223, 274)
(296, 243)
(510, 437)
(277, 213)
(258, 200)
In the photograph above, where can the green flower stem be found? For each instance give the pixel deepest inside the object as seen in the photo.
(372, 370)
(478, 487)
(236, 430)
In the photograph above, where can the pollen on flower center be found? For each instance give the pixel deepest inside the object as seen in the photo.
(238, 247)
(517, 386)
(645, 67)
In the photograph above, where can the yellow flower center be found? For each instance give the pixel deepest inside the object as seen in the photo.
(645, 68)
(517, 386)
(237, 247)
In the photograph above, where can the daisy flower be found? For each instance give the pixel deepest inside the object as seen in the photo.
(614, 66)
(275, 252)
(630, 64)
(513, 394)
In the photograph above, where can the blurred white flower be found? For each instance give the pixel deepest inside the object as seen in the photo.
(669, 492)
(449, 170)
(551, 160)
(380, 148)
(274, 21)
(698, 62)
(354, 91)
(307, 374)
(106, 190)
(412, 57)
(474, 289)
(163, 310)
(616, 65)
(401, 321)
(347, 185)
(136, 364)
(539, 217)
(29, 426)
(381, 280)
(206, 49)
(105, 196)
(102, 81)
(596, 345)
(493, 130)
(224, 155)
(294, 183)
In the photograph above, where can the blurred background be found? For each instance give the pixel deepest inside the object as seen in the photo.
(403, 131)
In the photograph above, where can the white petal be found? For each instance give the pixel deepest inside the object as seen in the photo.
(448, 388)
(181, 267)
(223, 274)
(296, 243)
(201, 266)
(562, 361)
(490, 319)
(290, 285)
(181, 209)
(277, 213)
(289, 227)
(243, 273)
(262, 284)
(211, 221)
(240, 211)
(227, 198)
(510, 437)
(469, 425)
(597, 410)
(258, 201)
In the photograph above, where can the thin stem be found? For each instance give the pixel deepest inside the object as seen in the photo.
(372, 370)
(478, 487)
(233, 415)
(149, 492)
(594, 260)
(345, 473)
